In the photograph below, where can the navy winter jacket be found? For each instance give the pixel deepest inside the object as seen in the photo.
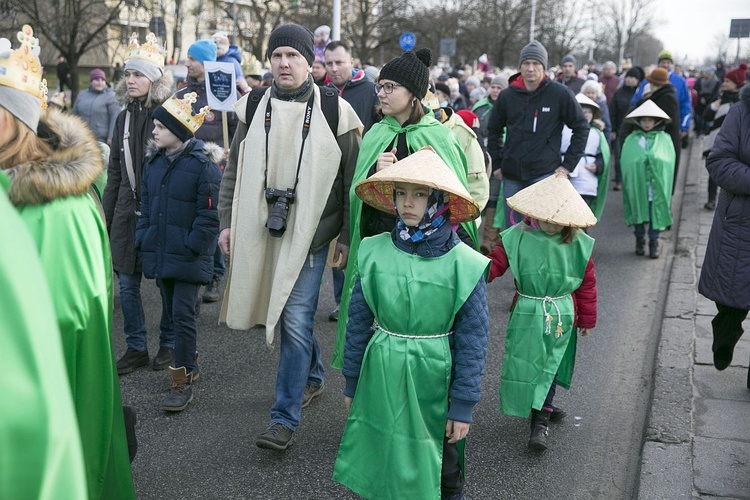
(470, 331)
(534, 121)
(725, 277)
(179, 222)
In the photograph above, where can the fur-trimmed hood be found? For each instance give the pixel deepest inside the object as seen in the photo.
(213, 151)
(74, 165)
(161, 90)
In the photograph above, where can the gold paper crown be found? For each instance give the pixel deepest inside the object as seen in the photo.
(148, 51)
(182, 110)
(20, 68)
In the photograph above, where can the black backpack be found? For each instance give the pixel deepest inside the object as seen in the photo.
(329, 105)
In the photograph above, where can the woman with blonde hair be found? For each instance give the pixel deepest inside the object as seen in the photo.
(52, 160)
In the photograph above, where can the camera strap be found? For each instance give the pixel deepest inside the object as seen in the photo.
(305, 133)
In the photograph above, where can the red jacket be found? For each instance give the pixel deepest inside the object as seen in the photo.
(584, 299)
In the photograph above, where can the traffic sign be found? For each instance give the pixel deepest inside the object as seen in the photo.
(407, 40)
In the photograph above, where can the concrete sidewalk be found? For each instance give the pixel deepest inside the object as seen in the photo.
(697, 439)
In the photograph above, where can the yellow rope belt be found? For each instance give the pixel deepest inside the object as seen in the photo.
(548, 318)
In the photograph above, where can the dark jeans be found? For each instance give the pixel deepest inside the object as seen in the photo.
(511, 187)
(179, 299)
(220, 265)
(640, 229)
(338, 283)
(451, 476)
(727, 326)
(550, 395)
(134, 319)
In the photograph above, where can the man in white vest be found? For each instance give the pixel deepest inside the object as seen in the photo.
(284, 197)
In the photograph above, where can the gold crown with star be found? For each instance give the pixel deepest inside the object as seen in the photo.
(147, 51)
(182, 110)
(20, 69)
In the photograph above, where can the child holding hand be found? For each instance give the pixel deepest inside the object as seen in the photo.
(556, 294)
(413, 378)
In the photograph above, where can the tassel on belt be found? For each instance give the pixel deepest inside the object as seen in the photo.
(376, 326)
(548, 318)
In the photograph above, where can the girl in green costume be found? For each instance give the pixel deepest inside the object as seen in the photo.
(647, 163)
(406, 127)
(413, 378)
(52, 160)
(556, 293)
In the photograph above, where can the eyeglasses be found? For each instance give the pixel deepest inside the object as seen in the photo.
(386, 87)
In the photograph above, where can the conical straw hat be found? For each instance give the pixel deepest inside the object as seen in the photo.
(650, 109)
(553, 200)
(583, 100)
(425, 168)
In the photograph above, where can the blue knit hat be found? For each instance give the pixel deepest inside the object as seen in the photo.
(203, 50)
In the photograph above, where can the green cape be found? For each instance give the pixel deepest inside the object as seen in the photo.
(597, 205)
(380, 138)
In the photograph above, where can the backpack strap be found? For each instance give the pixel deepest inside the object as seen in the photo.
(329, 105)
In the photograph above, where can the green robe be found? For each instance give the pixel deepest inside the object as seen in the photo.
(597, 205)
(72, 242)
(381, 137)
(393, 442)
(644, 170)
(40, 447)
(540, 341)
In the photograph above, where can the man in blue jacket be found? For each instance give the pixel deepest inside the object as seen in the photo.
(665, 60)
(533, 110)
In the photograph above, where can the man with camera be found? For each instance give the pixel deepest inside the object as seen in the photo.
(284, 197)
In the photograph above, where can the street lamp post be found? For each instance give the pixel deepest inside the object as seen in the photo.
(336, 24)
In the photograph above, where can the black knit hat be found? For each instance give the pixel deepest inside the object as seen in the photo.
(637, 72)
(295, 36)
(410, 69)
(172, 124)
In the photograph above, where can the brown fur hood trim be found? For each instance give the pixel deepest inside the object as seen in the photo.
(71, 169)
(161, 90)
(213, 151)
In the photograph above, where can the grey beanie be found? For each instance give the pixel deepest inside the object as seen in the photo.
(149, 70)
(294, 36)
(501, 80)
(534, 51)
(571, 59)
(473, 80)
(22, 105)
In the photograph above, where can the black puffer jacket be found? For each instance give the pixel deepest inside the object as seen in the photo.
(360, 93)
(725, 277)
(535, 119)
(118, 201)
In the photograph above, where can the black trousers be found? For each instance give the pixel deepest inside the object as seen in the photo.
(727, 326)
(451, 477)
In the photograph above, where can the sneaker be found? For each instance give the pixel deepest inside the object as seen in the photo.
(710, 205)
(131, 360)
(276, 437)
(181, 392)
(163, 358)
(211, 294)
(311, 391)
(334, 316)
(618, 187)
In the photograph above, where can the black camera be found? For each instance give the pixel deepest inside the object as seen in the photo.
(279, 199)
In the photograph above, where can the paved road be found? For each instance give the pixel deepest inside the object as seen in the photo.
(208, 451)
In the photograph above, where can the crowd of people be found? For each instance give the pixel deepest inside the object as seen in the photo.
(385, 175)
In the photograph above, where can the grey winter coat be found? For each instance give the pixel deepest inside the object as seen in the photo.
(725, 277)
(118, 200)
(99, 110)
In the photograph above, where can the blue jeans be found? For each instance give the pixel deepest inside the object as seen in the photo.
(300, 361)
(179, 298)
(640, 229)
(134, 319)
(511, 187)
(220, 266)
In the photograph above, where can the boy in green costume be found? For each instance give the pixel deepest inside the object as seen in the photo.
(556, 293)
(413, 380)
(647, 164)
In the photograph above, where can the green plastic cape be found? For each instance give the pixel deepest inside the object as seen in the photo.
(382, 137)
(643, 168)
(597, 205)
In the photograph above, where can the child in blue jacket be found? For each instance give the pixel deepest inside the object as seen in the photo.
(177, 230)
